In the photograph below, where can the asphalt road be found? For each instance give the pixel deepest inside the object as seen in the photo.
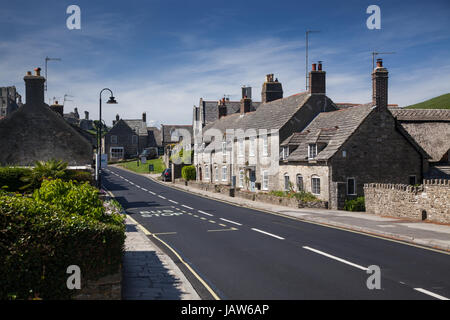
(248, 254)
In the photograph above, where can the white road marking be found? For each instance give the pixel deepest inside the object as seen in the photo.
(187, 207)
(267, 233)
(144, 189)
(208, 214)
(152, 193)
(336, 258)
(434, 295)
(236, 223)
(162, 197)
(173, 201)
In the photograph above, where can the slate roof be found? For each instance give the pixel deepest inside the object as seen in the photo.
(430, 128)
(210, 112)
(421, 114)
(270, 115)
(137, 125)
(167, 132)
(331, 128)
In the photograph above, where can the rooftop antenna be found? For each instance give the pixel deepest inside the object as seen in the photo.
(306, 47)
(374, 53)
(65, 98)
(47, 59)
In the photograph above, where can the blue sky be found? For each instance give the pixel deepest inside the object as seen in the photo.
(162, 56)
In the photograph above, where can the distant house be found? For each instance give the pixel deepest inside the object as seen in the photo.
(338, 152)
(430, 128)
(129, 137)
(34, 132)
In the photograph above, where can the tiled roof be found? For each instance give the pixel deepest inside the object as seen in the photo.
(211, 113)
(154, 137)
(331, 128)
(421, 114)
(168, 129)
(138, 125)
(270, 115)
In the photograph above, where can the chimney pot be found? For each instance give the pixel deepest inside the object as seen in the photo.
(319, 66)
(144, 117)
(379, 63)
(28, 73)
(313, 67)
(37, 72)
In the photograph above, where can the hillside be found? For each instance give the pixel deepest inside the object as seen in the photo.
(440, 102)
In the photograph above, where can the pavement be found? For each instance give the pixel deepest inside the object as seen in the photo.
(148, 273)
(230, 251)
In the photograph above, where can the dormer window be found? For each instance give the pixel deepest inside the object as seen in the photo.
(284, 153)
(312, 150)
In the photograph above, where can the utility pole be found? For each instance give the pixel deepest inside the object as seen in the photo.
(47, 59)
(306, 48)
(374, 53)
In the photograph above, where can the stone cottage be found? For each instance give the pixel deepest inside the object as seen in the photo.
(243, 148)
(34, 132)
(340, 151)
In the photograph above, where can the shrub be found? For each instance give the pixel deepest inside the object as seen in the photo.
(301, 195)
(72, 198)
(357, 204)
(38, 241)
(79, 176)
(44, 170)
(188, 173)
(10, 178)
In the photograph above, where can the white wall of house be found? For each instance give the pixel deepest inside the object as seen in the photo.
(308, 172)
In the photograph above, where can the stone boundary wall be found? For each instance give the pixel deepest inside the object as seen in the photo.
(253, 196)
(429, 201)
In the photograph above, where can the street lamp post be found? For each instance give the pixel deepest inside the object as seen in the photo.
(98, 171)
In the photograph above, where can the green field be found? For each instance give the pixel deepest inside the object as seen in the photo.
(158, 166)
(440, 102)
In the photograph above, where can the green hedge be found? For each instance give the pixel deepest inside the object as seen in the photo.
(301, 195)
(357, 204)
(39, 239)
(10, 178)
(188, 173)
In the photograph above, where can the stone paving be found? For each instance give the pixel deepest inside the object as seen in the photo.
(148, 273)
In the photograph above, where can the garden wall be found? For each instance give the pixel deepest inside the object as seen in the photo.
(430, 201)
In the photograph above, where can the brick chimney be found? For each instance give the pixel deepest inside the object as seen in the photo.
(221, 108)
(144, 117)
(34, 87)
(86, 115)
(380, 86)
(317, 79)
(58, 108)
(271, 90)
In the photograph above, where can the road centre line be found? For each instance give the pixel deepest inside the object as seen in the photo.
(269, 234)
(208, 214)
(173, 201)
(152, 193)
(160, 196)
(187, 207)
(335, 258)
(434, 295)
(236, 223)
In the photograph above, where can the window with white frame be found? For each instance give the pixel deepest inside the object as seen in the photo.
(241, 147)
(265, 148)
(116, 153)
(241, 178)
(113, 139)
(284, 153)
(216, 173)
(224, 173)
(207, 172)
(224, 148)
(351, 186)
(312, 150)
(251, 149)
(315, 185)
(299, 181)
(265, 180)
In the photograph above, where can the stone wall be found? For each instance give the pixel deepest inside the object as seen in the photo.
(430, 201)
